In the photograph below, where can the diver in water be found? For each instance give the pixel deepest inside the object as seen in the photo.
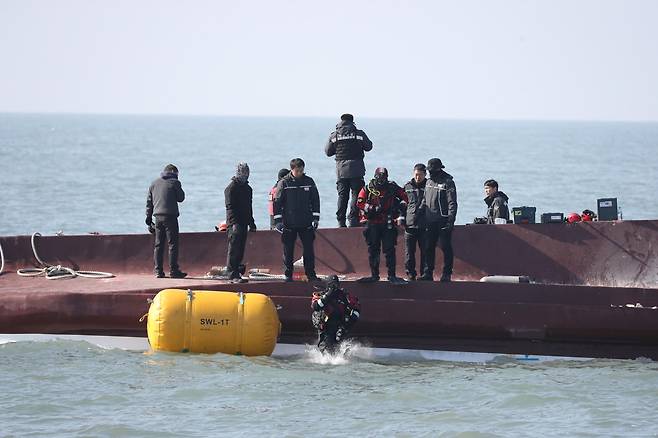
(334, 313)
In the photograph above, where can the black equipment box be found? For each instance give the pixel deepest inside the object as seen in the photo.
(524, 215)
(607, 209)
(552, 218)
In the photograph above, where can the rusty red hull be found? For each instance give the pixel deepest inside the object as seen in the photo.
(596, 272)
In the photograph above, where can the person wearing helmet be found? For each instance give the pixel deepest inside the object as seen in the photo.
(348, 144)
(382, 204)
(272, 195)
(238, 197)
(496, 203)
(440, 214)
(334, 314)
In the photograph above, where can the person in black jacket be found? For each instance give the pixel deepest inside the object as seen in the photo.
(297, 213)
(496, 203)
(162, 204)
(348, 144)
(440, 215)
(415, 233)
(239, 215)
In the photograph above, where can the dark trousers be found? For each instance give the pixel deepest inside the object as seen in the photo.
(307, 236)
(166, 230)
(436, 233)
(237, 240)
(344, 186)
(414, 237)
(380, 237)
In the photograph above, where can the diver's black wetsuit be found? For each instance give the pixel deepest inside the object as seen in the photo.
(334, 313)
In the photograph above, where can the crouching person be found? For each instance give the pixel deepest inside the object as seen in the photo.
(335, 312)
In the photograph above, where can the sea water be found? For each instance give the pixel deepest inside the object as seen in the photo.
(90, 173)
(80, 174)
(72, 388)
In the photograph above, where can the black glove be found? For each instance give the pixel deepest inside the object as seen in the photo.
(315, 224)
(449, 226)
(279, 227)
(151, 229)
(252, 226)
(149, 221)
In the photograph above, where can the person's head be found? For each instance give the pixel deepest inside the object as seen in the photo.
(170, 168)
(381, 176)
(434, 165)
(282, 173)
(347, 118)
(242, 172)
(420, 171)
(332, 282)
(490, 187)
(297, 167)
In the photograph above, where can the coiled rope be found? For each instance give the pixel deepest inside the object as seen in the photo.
(56, 272)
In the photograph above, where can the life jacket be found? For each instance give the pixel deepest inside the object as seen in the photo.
(392, 199)
(270, 200)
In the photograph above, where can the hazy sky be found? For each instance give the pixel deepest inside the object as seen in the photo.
(595, 60)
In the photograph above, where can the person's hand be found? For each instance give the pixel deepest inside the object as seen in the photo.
(149, 221)
(449, 226)
(315, 224)
(252, 226)
(279, 227)
(151, 229)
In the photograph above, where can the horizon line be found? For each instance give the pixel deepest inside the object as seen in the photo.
(261, 116)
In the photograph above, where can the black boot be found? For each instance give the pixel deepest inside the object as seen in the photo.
(427, 276)
(445, 278)
(372, 279)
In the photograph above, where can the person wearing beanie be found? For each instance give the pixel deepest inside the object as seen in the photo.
(239, 216)
(270, 198)
(162, 204)
(383, 204)
(440, 214)
(347, 144)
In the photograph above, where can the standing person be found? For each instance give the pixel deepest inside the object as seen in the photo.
(272, 195)
(496, 203)
(415, 233)
(348, 144)
(440, 214)
(239, 216)
(297, 213)
(162, 204)
(382, 203)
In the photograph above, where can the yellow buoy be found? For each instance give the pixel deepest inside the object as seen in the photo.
(213, 322)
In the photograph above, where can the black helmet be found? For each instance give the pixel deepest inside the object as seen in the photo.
(333, 282)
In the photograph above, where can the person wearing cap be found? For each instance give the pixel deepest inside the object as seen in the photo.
(272, 195)
(348, 144)
(162, 204)
(415, 234)
(497, 209)
(297, 213)
(382, 204)
(335, 312)
(440, 215)
(238, 197)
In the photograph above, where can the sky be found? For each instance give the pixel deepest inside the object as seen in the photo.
(472, 59)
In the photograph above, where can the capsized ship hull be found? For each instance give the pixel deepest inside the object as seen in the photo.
(598, 296)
